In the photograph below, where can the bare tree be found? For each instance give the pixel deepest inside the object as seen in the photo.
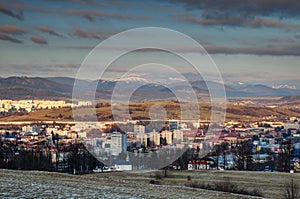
(291, 190)
(286, 155)
(224, 148)
(243, 154)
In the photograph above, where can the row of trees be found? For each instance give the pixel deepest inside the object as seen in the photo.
(244, 152)
(75, 157)
(71, 158)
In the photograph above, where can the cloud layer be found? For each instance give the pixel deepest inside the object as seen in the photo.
(244, 8)
(49, 30)
(251, 13)
(18, 14)
(9, 38)
(38, 40)
(91, 14)
(11, 29)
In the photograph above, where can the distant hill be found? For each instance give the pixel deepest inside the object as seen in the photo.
(27, 93)
(34, 83)
(62, 87)
(33, 87)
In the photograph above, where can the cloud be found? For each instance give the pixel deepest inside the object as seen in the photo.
(96, 34)
(88, 17)
(9, 38)
(11, 29)
(91, 14)
(49, 30)
(281, 50)
(237, 21)
(84, 2)
(278, 40)
(258, 22)
(15, 14)
(86, 34)
(250, 13)
(212, 22)
(297, 36)
(243, 8)
(38, 40)
(290, 50)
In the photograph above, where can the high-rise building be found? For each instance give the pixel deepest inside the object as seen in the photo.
(139, 131)
(118, 143)
(177, 136)
(156, 138)
(173, 125)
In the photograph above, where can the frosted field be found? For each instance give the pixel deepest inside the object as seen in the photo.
(38, 184)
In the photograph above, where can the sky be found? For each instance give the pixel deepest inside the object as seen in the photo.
(255, 41)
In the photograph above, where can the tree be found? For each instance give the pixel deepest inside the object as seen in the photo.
(243, 152)
(217, 152)
(182, 162)
(286, 155)
(291, 190)
(224, 148)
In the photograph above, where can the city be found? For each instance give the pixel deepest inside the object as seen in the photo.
(263, 145)
(150, 99)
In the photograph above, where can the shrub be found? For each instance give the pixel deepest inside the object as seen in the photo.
(225, 186)
(157, 175)
(154, 182)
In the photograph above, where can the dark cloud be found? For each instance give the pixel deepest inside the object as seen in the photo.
(211, 22)
(290, 50)
(86, 33)
(49, 30)
(258, 22)
(280, 50)
(244, 8)
(236, 21)
(9, 38)
(38, 40)
(251, 13)
(11, 29)
(18, 14)
(88, 17)
(91, 14)
(84, 2)
(96, 34)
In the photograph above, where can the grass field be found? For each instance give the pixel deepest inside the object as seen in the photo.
(38, 184)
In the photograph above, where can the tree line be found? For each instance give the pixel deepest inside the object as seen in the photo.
(72, 158)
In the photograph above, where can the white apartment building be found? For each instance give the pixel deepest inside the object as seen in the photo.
(118, 143)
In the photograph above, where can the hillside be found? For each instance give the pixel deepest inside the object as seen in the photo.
(141, 111)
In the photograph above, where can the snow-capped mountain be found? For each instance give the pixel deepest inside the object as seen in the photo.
(133, 79)
(282, 86)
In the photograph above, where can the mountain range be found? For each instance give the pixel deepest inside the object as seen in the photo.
(62, 87)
